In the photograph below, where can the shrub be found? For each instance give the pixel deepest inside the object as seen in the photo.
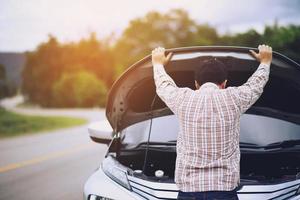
(79, 89)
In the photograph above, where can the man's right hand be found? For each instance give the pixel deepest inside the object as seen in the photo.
(265, 54)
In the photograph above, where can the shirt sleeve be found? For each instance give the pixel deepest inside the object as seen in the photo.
(166, 88)
(247, 94)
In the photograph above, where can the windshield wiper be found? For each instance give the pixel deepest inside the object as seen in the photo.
(248, 145)
(283, 144)
(171, 143)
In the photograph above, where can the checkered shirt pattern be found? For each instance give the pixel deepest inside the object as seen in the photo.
(208, 154)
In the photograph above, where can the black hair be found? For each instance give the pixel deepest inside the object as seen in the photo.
(211, 70)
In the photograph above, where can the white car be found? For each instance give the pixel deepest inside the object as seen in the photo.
(141, 131)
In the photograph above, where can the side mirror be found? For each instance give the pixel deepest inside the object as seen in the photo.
(101, 132)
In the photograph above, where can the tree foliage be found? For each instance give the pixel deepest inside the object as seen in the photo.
(79, 89)
(55, 67)
(51, 60)
(3, 87)
(173, 29)
(2, 72)
(284, 39)
(7, 89)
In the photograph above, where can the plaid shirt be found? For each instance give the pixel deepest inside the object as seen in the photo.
(208, 153)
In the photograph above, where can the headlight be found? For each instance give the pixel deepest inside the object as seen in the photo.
(94, 197)
(116, 171)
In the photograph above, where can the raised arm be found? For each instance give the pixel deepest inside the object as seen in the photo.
(248, 93)
(166, 88)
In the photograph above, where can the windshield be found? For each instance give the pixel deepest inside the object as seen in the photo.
(255, 129)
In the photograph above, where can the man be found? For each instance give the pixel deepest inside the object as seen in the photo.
(208, 155)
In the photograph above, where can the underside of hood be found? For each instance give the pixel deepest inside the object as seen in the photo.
(130, 98)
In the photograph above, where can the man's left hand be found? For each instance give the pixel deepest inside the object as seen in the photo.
(158, 56)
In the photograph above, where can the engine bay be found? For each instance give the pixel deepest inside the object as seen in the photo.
(255, 167)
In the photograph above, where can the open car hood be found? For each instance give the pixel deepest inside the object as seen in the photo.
(129, 100)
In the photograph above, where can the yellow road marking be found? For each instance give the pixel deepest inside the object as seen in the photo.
(44, 158)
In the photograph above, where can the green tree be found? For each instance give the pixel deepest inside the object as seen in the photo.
(91, 55)
(42, 69)
(250, 38)
(51, 60)
(285, 39)
(173, 29)
(2, 72)
(79, 89)
(3, 85)
(205, 35)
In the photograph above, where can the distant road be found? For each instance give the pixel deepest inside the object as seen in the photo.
(52, 165)
(92, 114)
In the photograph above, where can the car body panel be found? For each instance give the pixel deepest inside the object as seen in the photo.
(101, 185)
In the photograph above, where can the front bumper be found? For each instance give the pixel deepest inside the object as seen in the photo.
(101, 185)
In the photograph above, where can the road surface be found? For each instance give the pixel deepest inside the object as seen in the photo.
(49, 166)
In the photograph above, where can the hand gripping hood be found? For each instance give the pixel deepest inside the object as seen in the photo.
(129, 100)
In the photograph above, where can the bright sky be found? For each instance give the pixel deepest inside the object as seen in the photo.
(26, 23)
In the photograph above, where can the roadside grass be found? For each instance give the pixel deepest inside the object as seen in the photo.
(12, 124)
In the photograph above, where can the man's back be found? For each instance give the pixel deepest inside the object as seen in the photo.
(208, 141)
(208, 153)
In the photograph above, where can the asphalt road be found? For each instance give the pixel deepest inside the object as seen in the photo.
(50, 166)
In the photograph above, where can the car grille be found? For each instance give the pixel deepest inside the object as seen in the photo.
(155, 190)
